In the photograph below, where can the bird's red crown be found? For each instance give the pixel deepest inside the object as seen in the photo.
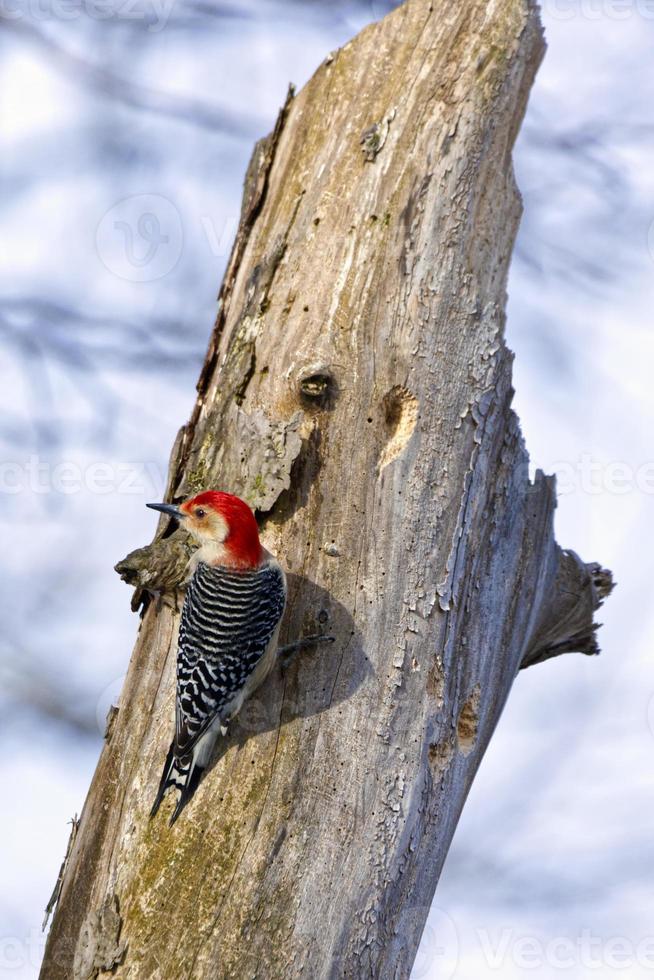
(242, 541)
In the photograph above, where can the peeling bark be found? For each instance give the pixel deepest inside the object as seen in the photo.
(99, 949)
(357, 390)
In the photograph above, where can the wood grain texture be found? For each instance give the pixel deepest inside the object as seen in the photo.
(359, 344)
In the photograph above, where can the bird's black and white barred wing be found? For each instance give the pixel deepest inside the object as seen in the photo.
(228, 621)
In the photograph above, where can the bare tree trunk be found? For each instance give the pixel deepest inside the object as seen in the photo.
(357, 391)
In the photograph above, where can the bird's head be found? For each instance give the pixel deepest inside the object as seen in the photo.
(223, 524)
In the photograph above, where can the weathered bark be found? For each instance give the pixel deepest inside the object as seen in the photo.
(357, 391)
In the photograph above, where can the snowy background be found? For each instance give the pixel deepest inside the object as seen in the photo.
(113, 110)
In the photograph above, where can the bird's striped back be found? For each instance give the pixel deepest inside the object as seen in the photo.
(228, 620)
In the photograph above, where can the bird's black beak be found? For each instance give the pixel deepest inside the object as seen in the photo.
(171, 509)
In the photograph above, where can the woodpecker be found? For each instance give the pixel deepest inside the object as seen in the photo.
(228, 631)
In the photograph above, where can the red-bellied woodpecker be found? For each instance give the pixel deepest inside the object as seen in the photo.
(227, 635)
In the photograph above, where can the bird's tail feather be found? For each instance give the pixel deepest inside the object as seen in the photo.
(183, 774)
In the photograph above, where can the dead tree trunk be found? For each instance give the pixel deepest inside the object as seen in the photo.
(357, 391)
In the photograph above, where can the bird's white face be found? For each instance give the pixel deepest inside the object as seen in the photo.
(206, 524)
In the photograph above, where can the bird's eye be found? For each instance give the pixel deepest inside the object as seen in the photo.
(200, 513)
